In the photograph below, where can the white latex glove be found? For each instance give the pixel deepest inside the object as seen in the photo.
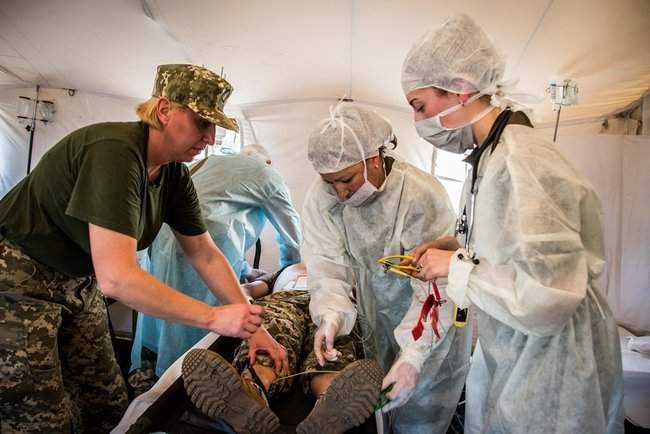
(324, 336)
(404, 375)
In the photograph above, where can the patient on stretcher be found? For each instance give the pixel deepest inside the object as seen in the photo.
(145, 375)
(347, 387)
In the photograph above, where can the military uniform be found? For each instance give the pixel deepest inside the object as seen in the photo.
(287, 319)
(56, 356)
(57, 364)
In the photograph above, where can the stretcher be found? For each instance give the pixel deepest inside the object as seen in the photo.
(166, 407)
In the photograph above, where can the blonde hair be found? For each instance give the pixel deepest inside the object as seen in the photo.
(148, 113)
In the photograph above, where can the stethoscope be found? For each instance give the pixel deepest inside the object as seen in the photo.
(465, 223)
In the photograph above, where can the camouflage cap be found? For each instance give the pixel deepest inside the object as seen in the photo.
(198, 88)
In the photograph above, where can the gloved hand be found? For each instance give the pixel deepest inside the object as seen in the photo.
(324, 336)
(404, 375)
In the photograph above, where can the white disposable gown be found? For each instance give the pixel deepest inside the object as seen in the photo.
(342, 246)
(548, 359)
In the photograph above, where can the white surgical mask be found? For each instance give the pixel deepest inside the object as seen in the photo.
(456, 140)
(364, 193)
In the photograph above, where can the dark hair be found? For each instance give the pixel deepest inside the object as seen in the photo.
(383, 148)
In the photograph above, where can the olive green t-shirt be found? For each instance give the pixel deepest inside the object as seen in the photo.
(98, 175)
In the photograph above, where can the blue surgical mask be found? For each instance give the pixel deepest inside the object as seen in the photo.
(456, 140)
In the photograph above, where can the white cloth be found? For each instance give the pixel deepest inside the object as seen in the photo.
(341, 249)
(142, 402)
(640, 344)
(549, 358)
(636, 380)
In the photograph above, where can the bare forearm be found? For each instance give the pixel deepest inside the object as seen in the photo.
(119, 277)
(143, 292)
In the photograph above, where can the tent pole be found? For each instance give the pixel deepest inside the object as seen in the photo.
(31, 133)
(557, 122)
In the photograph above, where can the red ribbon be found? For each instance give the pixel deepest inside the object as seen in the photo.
(430, 305)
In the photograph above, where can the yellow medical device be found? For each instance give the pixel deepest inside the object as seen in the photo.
(399, 264)
(460, 316)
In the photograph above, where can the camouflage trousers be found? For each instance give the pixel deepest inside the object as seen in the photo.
(142, 379)
(57, 365)
(287, 319)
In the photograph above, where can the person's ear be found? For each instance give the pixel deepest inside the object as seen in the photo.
(463, 97)
(163, 108)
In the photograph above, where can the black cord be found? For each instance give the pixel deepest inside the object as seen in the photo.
(557, 122)
(258, 253)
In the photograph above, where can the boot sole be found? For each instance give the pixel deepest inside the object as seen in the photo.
(215, 387)
(348, 401)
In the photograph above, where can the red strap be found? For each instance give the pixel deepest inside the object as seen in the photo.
(430, 305)
(436, 292)
(426, 307)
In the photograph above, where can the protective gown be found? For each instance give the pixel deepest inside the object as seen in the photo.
(342, 245)
(548, 359)
(238, 194)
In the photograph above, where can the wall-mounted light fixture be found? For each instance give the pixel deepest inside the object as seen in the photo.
(30, 110)
(562, 93)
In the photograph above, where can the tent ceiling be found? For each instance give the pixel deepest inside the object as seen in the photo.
(297, 50)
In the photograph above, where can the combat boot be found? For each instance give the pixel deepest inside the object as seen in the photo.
(348, 401)
(215, 387)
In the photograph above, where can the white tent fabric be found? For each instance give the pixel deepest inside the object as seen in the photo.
(617, 166)
(72, 112)
(13, 148)
(305, 50)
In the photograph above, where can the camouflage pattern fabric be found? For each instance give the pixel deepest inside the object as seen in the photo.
(287, 319)
(143, 378)
(58, 369)
(198, 88)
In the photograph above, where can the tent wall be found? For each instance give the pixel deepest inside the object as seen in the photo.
(72, 112)
(615, 164)
(589, 128)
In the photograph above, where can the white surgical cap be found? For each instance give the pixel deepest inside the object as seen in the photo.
(351, 134)
(256, 151)
(457, 57)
